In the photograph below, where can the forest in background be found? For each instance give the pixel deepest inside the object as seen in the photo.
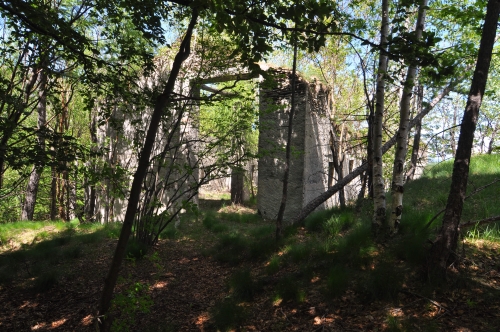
(407, 79)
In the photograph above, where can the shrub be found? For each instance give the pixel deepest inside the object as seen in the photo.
(231, 248)
(338, 280)
(212, 223)
(273, 266)
(135, 249)
(227, 314)
(289, 290)
(242, 285)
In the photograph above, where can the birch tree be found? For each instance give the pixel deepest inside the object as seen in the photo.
(379, 205)
(398, 174)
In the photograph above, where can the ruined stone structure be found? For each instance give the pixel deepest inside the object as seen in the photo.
(176, 149)
(311, 169)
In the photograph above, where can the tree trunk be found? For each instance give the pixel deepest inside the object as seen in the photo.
(446, 242)
(53, 194)
(452, 132)
(338, 160)
(398, 175)
(34, 180)
(369, 173)
(281, 211)
(161, 103)
(492, 141)
(416, 139)
(379, 208)
(90, 189)
(237, 185)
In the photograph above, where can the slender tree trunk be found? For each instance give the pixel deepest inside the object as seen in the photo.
(338, 160)
(492, 141)
(314, 203)
(416, 138)
(237, 185)
(369, 173)
(34, 180)
(53, 193)
(415, 152)
(90, 189)
(135, 190)
(398, 174)
(452, 132)
(446, 242)
(281, 211)
(379, 208)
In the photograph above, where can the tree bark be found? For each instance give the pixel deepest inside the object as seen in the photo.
(379, 207)
(90, 202)
(314, 203)
(53, 193)
(398, 175)
(416, 139)
(34, 180)
(161, 103)
(446, 242)
(237, 185)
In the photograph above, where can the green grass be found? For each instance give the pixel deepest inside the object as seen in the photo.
(227, 314)
(426, 196)
(289, 289)
(337, 280)
(43, 251)
(242, 286)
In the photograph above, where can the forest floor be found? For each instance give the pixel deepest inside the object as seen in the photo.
(187, 285)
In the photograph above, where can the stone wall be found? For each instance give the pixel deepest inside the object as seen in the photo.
(310, 168)
(275, 98)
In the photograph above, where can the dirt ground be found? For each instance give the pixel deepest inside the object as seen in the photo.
(190, 283)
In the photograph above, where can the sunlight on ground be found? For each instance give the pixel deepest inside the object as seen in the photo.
(159, 285)
(38, 326)
(483, 244)
(58, 323)
(24, 237)
(235, 208)
(315, 279)
(201, 320)
(87, 320)
(395, 312)
(28, 304)
(277, 302)
(53, 325)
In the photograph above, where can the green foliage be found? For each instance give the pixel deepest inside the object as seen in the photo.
(419, 209)
(227, 314)
(170, 232)
(212, 222)
(135, 299)
(231, 248)
(381, 284)
(135, 250)
(288, 289)
(242, 286)
(337, 281)
(299, 252)
(273, 265)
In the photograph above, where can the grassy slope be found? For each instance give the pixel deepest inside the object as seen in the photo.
(428, 195)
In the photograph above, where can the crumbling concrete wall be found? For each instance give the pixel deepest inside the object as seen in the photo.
(311, 169)
(173, 162)
(274, 108)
